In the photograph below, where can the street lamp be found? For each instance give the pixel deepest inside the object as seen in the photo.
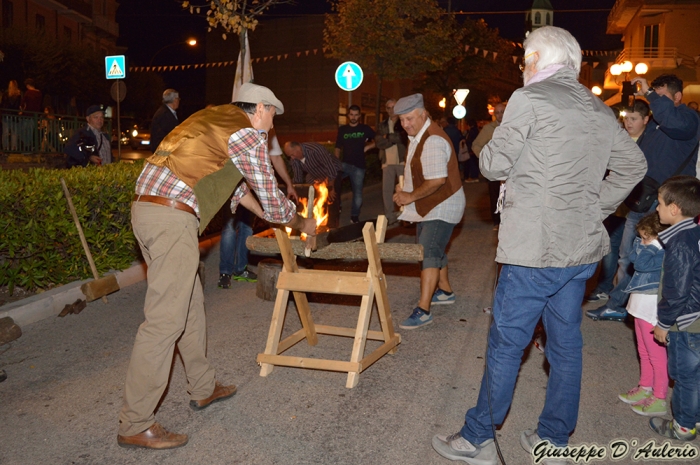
(459, 111)
(191, 42)
(628, 90)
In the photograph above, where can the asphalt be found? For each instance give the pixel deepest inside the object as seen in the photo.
(60, 402)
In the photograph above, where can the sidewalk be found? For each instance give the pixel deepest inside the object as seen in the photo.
(66, 375)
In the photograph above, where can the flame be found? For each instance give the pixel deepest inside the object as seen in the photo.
(320, 209)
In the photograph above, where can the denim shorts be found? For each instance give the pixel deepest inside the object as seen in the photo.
(433, 236)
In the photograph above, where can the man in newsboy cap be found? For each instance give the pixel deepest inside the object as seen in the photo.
(90, 145)
(216, 152)
(432, 197)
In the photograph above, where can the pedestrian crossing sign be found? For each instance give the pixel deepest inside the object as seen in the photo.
(115, 67)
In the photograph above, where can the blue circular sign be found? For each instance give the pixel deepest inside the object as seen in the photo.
(349, 76)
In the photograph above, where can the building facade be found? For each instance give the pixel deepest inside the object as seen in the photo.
(90, 23)
(662, 34)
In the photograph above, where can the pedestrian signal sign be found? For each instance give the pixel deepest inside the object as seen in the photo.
(115, 67)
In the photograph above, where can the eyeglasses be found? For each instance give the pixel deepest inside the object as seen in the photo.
(522, 65)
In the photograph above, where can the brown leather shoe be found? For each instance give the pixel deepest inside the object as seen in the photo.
(155, 437)
(220, 393)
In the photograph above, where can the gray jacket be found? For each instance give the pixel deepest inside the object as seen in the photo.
(553, 148)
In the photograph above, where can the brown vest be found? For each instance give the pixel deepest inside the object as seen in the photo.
(197, 152)
(453, 183)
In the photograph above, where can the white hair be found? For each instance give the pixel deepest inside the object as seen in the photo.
(170, 95)
(555, 46)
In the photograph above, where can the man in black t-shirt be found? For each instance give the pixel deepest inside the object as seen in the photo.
(354, 139)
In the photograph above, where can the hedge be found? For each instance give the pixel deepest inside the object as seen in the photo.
(39, 243)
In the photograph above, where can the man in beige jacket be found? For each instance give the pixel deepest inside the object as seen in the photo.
(481, 140)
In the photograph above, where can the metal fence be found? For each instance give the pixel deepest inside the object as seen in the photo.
(29, 132)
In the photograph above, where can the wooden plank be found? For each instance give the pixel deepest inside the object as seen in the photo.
(313, 363)
(379, 282)
(275, 333)
(307, 322)
(289, 341)
(379, 352)
(328, 282)
(381, 228)
(358, 346)
(348, 332)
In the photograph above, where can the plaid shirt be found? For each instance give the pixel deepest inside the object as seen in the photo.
(248, 151)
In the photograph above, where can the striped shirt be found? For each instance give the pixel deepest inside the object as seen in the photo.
(318, 164)
(247, 149)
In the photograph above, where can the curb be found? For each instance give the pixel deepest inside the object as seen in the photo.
(50, 303)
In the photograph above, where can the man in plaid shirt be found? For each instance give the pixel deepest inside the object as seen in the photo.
(191, 175)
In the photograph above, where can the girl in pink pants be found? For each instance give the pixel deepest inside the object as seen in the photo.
(649, 397)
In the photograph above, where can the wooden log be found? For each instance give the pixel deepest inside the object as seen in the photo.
(268, 272)
(348, 250)
(9, 331)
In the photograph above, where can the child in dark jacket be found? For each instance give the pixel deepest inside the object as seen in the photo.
(647, 255)
(679, 306)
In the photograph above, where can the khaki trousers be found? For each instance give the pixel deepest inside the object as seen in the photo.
(174, 311)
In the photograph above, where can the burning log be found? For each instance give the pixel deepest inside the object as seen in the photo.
(341, 250)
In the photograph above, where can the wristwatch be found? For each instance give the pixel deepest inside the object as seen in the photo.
(649, 92)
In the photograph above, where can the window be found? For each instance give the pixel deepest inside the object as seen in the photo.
(67, 33)
(548, 20)
(40, 22)
(538, 18)
(8, 13)
(651, 40)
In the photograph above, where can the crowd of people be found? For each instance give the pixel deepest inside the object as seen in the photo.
(569, 186)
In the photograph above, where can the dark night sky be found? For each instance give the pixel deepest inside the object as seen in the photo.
(148, 26)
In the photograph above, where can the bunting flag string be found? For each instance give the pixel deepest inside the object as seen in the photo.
(467, 48)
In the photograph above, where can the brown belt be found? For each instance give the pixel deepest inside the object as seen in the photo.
(166, 202)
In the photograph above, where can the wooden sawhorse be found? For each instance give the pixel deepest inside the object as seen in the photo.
(370, 285)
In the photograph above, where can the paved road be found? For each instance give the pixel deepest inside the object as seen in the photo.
(66, 375)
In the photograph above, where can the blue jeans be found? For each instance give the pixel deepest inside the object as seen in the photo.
(618, 298)
(523, 295)
(684, 369)
(608, 266)
(357, 179)
(433, 236)
(233, 254)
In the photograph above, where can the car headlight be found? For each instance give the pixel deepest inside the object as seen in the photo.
(134, 133)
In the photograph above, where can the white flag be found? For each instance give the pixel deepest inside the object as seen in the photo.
(242, 69)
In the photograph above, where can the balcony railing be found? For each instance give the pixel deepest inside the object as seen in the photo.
(653, 56)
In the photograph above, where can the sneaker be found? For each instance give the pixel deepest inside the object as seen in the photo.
(224, 281)
(597, 296)
(417, 319)
(529, 439)
(650, 407)
(355, 219)
(604, 313)
(635, 395)
(246, 275)
(671, 429)
(455, 447)
(441, 297)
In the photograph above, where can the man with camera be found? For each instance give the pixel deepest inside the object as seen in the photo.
(90, 145)
(669, 143)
